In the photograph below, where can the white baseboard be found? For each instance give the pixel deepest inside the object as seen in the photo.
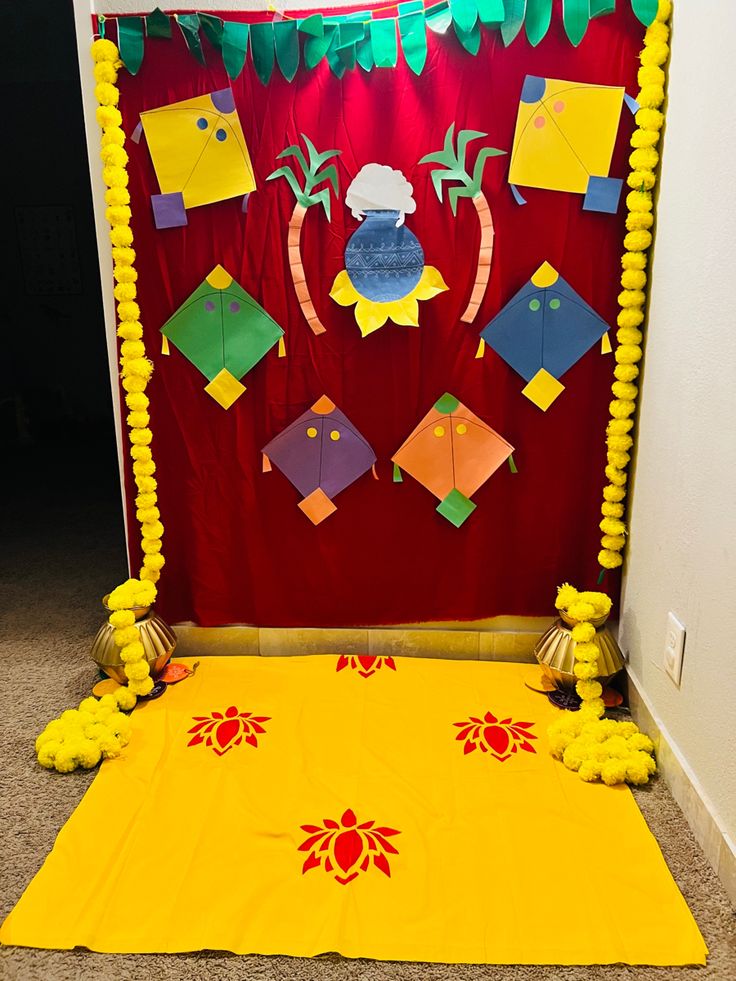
(701, 815)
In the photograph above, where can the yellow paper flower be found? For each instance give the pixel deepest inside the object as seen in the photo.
(370, 315)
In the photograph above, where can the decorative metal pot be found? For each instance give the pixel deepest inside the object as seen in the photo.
(157, 637)
(383, 262)
(555, 652)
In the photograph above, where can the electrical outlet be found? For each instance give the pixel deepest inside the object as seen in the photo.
(674, 648)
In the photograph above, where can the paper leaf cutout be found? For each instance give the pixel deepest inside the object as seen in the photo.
(199, 155)
(542, 331)
(223, 331)
(321, 453)
(564, 138)
(452, 452)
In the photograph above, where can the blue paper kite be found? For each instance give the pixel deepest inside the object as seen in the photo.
(543, 331)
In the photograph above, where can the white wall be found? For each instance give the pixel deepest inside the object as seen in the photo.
(682, 548)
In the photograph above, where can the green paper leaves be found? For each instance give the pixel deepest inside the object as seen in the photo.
(575, 17)
(383, 40)
(312, 174)
(316, 47)
(515, 13)
(645, 10)
(600, 7)
(313, 25)
(158, 24)
(286, 39)
(130, 42)
(491, 11)
(212, 27)
(412, 29)
(452, 159)
(538, 17)
(189, 27)
(464, 14)
(234, 47)
(262, 50)
(470, 40)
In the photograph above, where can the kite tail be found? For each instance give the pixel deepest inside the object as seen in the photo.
(485, 255)
(297, 270)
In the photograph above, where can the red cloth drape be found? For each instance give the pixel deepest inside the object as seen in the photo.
(237, 547)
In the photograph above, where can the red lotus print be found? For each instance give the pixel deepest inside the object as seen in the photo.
(365, 664)
(346, 848)
(499, 738)
(222, 731)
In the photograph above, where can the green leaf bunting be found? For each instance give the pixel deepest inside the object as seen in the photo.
(212, 27)
(515, 13)
(286, 40)
(538, 17)
(464, 14)
(383, 40)
(130, 42)
(470, 40)
(158, 24)
(313, 25)
(234, 47)
(262, 50)
(412, 29)
(645, 10)
(491, 12)
(575, 17)
(189, 27)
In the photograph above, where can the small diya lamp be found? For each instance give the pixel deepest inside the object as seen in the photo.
(158, 639)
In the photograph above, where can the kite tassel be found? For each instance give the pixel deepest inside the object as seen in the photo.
(282, 347)
(481, 349)
(165, 344)
(606, 344)
(373, 471)
(512, 465)
(398, 479)
(517, 194)
(266, 464)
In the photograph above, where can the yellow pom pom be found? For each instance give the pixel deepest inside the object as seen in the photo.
(628, 354)
(643, 137)
(623, 390)
(116, 177)
(129, 310)
(118, 215)
(613, 543)
(88, 754)
(618, 459)
(148, 515)
(122, 618)
(583, 633)
(123, 274)
(640, 180)
(121, 235)
(146, 485)
(152, 529)
(637, 771)
(627, 729)
(586, 652)
(106, 94)
(638, 741)
(125, 699)
(664, 12)
(138, 420)
(629, 335)
(137, 670)
(631, 298)
(589, 689)
(64, 759)
(612, 526)
(137, 403)
(650, 75)
(626, 372)
(613, 772)
(150, 574)
(614, 493)
(113, 155)
(109, 745)
(150, 545)
(108, 116)
(633, 279)
(117, 197)
(103, 50)
(635, 242)
(611, 510)
(630, 317)
(616, 476)
(608, 559)
(123, 255)
(621, 408)
(130, 330)
(46, 754)
(128, 635)
(638, 220)
(153, 562)
(634, 260)
(133, 651)
(142, 453)
(105, 71)
(651, 96)
(141, 687)
(143, 468)
(133, 383)
(574, 755)
(566, 594)
(655, 53)
(581, 611)
(622, 443)
(125, 291)
(645, 158)
(132, 349)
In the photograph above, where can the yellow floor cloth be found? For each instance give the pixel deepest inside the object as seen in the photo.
(487, 856)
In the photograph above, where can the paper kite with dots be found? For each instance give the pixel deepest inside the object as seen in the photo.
(199, 155)
(321, 453)
(564, 139)
(452, 453)
(223, 331)
(542, 331)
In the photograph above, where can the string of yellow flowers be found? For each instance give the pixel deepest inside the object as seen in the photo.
(98, 729)
(597, 748)
(632, 299)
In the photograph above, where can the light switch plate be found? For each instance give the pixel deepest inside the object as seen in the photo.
(674, 648)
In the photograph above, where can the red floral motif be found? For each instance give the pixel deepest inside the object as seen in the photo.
(365, 664)
(499, 738)
(347, 848)
(223, 731)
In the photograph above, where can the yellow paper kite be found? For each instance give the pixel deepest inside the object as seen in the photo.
(199, 155)
(564, 139)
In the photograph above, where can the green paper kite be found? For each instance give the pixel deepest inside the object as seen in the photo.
(223, 332)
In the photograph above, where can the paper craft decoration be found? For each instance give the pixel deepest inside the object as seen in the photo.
(452, 159)
(565, 132)
(224, 332)
(385, 275)
(321, 453)
(452, 453)
(542, 331)
(312, 174)
(199, 155)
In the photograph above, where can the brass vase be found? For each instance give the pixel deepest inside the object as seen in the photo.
(157, 637)
(555, 652)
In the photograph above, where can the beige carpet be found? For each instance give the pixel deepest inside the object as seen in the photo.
(54, 567)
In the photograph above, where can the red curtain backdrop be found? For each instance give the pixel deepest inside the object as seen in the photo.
(238, 548)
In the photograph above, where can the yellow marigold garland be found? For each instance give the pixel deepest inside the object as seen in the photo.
(644, 160)
(597, 748)
(98, 729)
